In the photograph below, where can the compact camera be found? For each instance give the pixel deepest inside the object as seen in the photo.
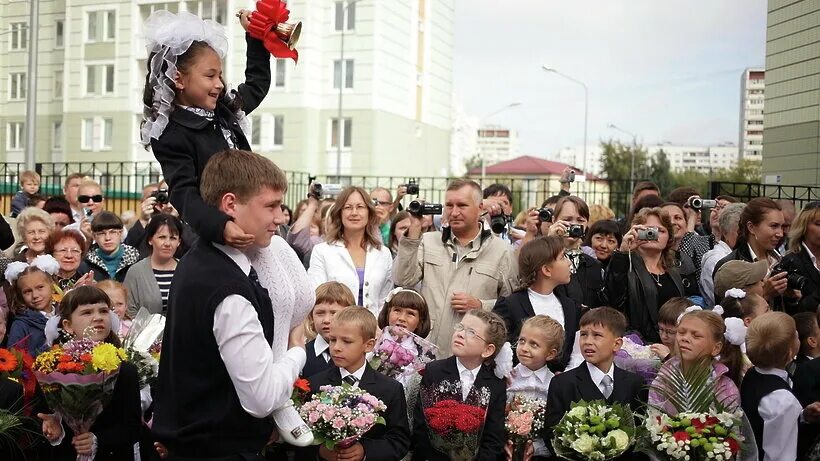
(649, 234)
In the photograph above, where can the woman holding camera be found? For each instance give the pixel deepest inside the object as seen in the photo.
(800, 263)
(641, 275)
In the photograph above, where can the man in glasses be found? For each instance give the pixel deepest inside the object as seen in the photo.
(92, 202)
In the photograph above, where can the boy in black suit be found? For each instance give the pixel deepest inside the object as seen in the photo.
(352, 335)
(601, 332)
(331, 297)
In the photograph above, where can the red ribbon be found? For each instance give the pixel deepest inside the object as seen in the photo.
(262, 26)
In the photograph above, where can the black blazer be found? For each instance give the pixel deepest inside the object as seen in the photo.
(516, 308)
(390, 441)
(586, 286)
(807, 389)
(493, 438)
(576, 385)
(313, 364)
(800, 263)
(190, 140)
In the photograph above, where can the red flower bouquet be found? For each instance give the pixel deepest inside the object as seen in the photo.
(455, 426)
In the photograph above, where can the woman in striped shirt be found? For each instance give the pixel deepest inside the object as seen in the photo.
(149, 280)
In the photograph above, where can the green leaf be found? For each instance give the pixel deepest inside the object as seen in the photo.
(688, 390)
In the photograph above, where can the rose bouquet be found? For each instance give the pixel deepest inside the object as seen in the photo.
(399, 353)
(341, 415)
(454, 426)
(525, 419)
(638, 358)
(78, 380)
(594, 431)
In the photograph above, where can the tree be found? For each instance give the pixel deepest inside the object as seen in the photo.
(661, 171)
(473, 162)
(616, 164)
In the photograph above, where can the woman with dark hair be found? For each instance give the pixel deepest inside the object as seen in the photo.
(108, 257)
(804, 247)
(641, 274)
(684, 261)
(353, 252)
(398, 229)
(603, 238)
(149, 281)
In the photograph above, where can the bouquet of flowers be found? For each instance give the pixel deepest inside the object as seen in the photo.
(78, 379)
(301, 389)
(399, 353)
(15, 364)
(340, 415)
(638, 358)
(525, 419)
(143, 336)
(455, 426)
(594, 431)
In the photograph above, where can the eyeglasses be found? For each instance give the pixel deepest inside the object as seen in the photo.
(468, 332)
(108, 233)
(380, 203)
(668, 331)
(73, 251)
(358, 208)
(94, 198)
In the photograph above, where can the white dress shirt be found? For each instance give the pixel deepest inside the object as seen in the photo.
(262, 383)
(598, 376)
(811, 256)
(321, 348)
(357, 374)
(707, 265)
(467, 377)
(528, 383)
(781, 412)
(548, 305)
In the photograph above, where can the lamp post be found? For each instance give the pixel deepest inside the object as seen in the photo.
(31, 85)
(484, 119)
(339, 121)
(634, 148)
(586, 107)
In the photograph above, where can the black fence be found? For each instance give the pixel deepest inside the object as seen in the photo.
(799, 195)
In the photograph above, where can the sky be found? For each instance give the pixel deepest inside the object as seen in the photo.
(664, 70)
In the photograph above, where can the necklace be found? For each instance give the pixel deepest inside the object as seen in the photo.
(657, 279)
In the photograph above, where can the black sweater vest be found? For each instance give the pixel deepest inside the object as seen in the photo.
(197, 412)
(754, 387)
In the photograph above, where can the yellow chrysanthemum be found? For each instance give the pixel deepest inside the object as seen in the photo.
(47, 361)
(105, 357)
(121, 354)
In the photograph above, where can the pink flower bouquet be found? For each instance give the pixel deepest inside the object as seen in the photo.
(400, 353)
(341, 415)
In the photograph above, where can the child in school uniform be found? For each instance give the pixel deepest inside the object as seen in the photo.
(601, 336)
(539, 342)
(352, 336)
(32, 292)
(475, 344)
(766, 395)
(331, 297)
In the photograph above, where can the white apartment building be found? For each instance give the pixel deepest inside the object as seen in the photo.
(752, 84)
(463, 141)
(574, 156)
(396, 82)
(495, 143)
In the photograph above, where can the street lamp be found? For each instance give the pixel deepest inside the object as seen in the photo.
(340, 122)
(586, 107)
(634, 148)
(484, 119)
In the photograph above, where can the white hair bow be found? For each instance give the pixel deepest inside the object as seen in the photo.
(504, 362)
(45, 263)
(736, 293)
(397, 290)
(688, 310)
(735, 330)
(718, 309)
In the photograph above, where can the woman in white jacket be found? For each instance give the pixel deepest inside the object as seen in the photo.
(353, 253)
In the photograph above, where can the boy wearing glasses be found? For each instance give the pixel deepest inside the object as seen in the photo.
(108, 257)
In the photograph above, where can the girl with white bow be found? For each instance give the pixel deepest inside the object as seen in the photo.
(32, 301)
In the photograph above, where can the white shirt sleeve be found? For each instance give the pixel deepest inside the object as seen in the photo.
(575, 358)
(262, 383)
(780, 411)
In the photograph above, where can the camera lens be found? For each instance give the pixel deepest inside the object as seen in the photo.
(545, 215)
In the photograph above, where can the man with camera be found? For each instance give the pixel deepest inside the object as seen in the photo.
(461, 268)
(154, 201)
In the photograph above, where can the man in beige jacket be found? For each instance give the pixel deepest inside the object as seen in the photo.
(461, 268)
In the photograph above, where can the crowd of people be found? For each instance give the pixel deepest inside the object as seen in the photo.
(256, 295)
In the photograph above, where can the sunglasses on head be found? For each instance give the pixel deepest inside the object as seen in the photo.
(94, 198)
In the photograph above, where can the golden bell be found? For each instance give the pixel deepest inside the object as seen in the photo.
(289, 33)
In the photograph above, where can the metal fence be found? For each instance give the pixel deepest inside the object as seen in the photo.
(743, 191)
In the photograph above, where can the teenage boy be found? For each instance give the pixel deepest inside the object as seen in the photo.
(352, 335)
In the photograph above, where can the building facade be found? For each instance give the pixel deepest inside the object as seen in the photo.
(791, 134)
(752, 85)
(681, 157)
(495, 143)
(395, 80)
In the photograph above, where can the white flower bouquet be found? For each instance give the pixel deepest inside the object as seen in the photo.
(594, 431)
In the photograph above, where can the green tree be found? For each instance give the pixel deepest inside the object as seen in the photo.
(616, 165)
(661, 171)
(473, 162)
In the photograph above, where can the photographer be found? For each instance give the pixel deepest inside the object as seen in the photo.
(801, 261)
(462, 268)
(641, 276)
(155, 201)
(498, 206)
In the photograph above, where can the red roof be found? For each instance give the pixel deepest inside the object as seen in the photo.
(528, 165)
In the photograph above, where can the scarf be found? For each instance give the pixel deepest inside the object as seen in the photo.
(574, 257)
(112, 261)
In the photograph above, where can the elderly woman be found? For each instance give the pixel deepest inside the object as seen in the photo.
(149, 281)
(34, 226)
(68, 247)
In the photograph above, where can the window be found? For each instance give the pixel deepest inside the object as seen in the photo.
(99, 79)
(58, 84)
(149, 9)
(107, 131)
(280, 73)
(339, 16)
(345, 75)
(102, 25)
(256, 130)
(278, 130)
(19, 35)
(347, 127)
(59, 34)
(57, 135)
(17, 85)
(87, 134)
(15, 136)
(216, 10)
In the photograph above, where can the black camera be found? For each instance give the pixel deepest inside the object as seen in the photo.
(412, 187)
(794, 280)
(161, 195)
(575, 231)
(319, 191)
(417, 208)
(649, 234)
(499, 222)
(697, 203)
(545, 215)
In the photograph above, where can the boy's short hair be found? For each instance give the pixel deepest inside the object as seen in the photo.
(29, 175)
(550, 326)
(334, 293)
(106, 220)
(359, 316)
(672, 309)
(241, 173)
(609, 318)
(769, 339)
(806, 326)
